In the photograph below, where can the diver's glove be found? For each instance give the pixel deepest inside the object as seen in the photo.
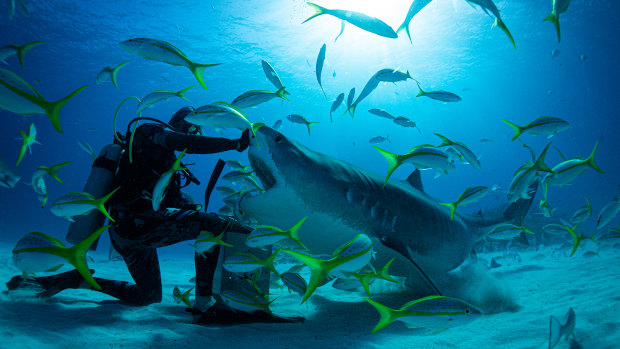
(221, 314)
(244, 141)
(47, 286)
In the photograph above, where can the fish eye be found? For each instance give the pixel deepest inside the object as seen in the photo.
(278, 139)
(466, 311)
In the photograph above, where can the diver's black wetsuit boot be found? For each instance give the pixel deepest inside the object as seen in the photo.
(47, 286)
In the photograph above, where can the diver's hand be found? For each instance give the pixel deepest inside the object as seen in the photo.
(244, 141)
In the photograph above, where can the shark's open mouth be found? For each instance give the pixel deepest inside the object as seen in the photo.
(263, 172)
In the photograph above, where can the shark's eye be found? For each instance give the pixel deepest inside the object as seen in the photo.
(278, 139)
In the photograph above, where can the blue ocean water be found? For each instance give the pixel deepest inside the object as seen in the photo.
(454, 48)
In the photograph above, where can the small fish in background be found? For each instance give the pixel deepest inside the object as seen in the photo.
(110, 73)
(206, 241)
(13, 49)
(225, 190)
(549, 93)
(582, 214)
(609, 212)
(162, 51)
(488, 6)
(253, 98)
(462, 149)
(544, 206)
(422, 157)
(243, 301)
(370, 86)
(468, 196)
(486, 140)
(161, 187)
(182, 296)
(366, 278)
(276, 125)
(236, 176)
(405, 122)
(360, 20)
(320, 60)
(8, 177)
(508, 231)
(382, 113)
(348, 258)
(392, 75)
(272, 76)
(555, 229)
(577, 238)
(247, 262)
(350, 98)
(544, 125)
(557, 330)
(439, 95)
(415, 7)
(582, 57)
(19, 97)
(298, 119)
(337, 102)
(379, 139)
(525, 176)
(21, 7)
(265, 235)
(27, 141)
(76, 204)
(566, 171)
(294, 282)
(334, 74)
(559, 7)
(237, 165)
(220, 115)
(555, 53)
(38, 180)
(435, 312)
(37, 252)
(156, 96)
(87, 148)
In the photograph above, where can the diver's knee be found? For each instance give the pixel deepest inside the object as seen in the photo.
(154, 296)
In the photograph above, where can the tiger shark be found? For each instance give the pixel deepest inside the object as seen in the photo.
(342, 200)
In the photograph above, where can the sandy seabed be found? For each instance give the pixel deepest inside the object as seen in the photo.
(543, 283)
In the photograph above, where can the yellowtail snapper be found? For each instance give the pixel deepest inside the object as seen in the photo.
(468, 196)
(360, 20)
(347, 258)
(17, 96)
(255, 97)
(298, 119)
(162, 51)
(111, 73)
(38, 252)
(27, 141)
(543, 125)
(435, 312)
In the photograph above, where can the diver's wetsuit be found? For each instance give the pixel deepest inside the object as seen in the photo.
(139, 231)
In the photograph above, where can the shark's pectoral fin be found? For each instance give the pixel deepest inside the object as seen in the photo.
(406, 251)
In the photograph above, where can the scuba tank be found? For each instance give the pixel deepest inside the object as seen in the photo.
(99, 183)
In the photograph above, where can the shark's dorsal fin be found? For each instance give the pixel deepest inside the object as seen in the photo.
(415, 180)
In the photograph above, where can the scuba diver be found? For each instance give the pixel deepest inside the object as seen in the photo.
(138, 230)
